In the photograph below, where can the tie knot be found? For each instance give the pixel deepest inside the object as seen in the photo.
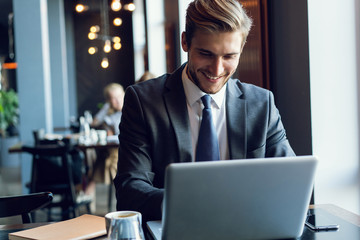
(206, 101)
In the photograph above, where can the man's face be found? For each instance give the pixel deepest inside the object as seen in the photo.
(212, 58)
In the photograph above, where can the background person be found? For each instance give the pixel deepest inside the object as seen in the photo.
(108, 118)
(110, 114)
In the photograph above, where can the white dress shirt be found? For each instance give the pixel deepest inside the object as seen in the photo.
(195, 106)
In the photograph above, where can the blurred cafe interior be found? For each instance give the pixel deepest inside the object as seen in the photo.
(58, 57)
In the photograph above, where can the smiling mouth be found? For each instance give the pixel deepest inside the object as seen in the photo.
(212, 78)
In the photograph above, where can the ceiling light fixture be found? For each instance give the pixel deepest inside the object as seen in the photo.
(81, 8)
(102, 32)
(116, 5)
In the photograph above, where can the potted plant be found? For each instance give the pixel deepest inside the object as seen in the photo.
(9, 119)
(9, 113)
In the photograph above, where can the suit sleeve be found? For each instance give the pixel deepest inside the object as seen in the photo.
(277, 143)
(134, 179)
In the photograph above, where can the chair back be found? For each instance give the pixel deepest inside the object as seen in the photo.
(53, 170)
(24, 204)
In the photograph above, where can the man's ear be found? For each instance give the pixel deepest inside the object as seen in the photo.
(183, 42)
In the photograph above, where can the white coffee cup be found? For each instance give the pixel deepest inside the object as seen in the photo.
(102, 135)
(124, 225)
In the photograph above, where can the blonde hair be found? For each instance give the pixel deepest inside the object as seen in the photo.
(216, 16)
(110, 87)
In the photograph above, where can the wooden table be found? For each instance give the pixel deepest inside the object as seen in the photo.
(99, 146)
(335, 211)
(339, 212)
(349, 224)
(17, 148)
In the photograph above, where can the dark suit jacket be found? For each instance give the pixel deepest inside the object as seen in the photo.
(155, 131)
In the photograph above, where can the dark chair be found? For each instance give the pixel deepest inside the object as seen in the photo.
(52, 170)
(24, 204)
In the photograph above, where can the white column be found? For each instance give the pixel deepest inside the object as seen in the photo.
(156, 36)
(139, 38)
(58, 59)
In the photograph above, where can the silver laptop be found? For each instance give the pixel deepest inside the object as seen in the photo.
(236, 199)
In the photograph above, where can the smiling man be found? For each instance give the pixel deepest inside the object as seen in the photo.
(162, 117)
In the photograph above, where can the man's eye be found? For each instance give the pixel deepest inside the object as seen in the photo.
(230, 56)
(205, 54)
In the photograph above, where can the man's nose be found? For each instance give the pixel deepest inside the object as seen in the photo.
(217, 67)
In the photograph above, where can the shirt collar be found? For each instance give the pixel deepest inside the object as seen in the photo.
(193, 92)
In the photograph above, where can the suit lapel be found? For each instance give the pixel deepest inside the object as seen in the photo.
(175, 102)
(236, 121)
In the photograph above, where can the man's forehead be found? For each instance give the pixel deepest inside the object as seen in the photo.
(230, 42)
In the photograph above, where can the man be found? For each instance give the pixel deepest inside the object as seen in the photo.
(161, 117)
